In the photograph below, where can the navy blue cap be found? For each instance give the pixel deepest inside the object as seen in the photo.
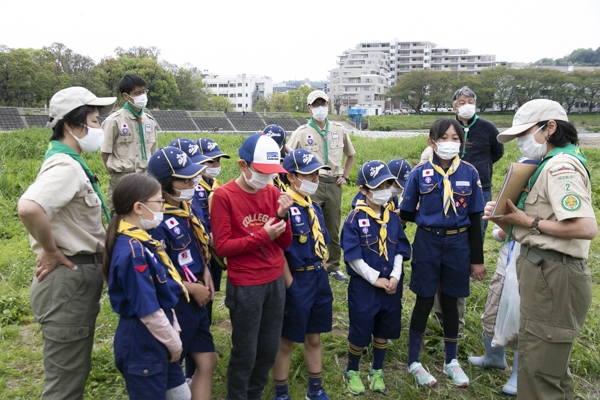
(171, 161)
(302, 161)
(209, 148)
(372, 173)
(276, 133)
(400, 168)
(191, 148)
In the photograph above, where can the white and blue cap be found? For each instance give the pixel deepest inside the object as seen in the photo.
(209, 148)
(400, 168)
(302, 161)
(192, 149)
(276, 133)
(372, 173)
(171, 161)
(262, 152)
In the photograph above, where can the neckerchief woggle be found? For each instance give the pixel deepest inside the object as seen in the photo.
(312, 124)
(56, 147)
(382, 221)
(320, 247)
(133, 231)
(138, 116)
(448, 196)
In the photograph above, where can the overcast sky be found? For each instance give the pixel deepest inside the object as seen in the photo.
(300, 39)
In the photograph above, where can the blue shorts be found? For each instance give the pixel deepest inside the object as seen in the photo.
(372, 312)
(441, 260)
(144, 361)
(308, 305)
(195, 327)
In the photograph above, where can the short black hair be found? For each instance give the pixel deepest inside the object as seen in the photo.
(129, 82)
(76, 117)
(565, 134)
(440, 126)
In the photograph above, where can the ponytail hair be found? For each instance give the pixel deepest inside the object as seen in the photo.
(130, 189)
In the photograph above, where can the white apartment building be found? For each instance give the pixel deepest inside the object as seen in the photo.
(386, 61)
(241, 90)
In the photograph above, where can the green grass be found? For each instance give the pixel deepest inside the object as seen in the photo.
(21, 374)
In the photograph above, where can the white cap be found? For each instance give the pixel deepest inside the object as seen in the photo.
(316, 94)
(66, 100)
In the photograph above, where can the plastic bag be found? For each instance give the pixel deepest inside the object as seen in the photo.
(506, 331)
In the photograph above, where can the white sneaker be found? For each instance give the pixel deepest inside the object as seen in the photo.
(338, 276)
(422, 377)
(455, 372)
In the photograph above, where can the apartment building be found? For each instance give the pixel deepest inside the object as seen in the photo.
(241, 90)
(359, 72)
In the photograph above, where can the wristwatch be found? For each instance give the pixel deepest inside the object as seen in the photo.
(284, 218)
(345, 178)
(534, 227)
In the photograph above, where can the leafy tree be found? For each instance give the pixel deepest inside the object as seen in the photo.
(412, 89)
(219, 103)
(298, 98)
(503, 82)
(278, 102)
(440, 88)
(261, 104)
(193, 95)
(17, 74)
(590, 87)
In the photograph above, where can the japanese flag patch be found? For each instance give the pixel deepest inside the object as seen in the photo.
(428, 172)
(171, 222)
(295, 210)
(363, 222)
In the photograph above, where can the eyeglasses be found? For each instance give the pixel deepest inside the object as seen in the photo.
(161, 201)
(318, 104)
(139, 93)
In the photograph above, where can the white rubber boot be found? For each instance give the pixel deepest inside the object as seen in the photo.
(510, 389)
(493, 357)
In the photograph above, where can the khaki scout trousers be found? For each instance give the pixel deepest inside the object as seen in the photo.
(329, 197)
(114, 178)
(66, 303)
(555, 298)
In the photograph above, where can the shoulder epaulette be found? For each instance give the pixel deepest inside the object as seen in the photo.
(137, 248)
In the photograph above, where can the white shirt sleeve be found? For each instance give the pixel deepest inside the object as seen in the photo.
(397, 271)
(496, 232)
(363, 269)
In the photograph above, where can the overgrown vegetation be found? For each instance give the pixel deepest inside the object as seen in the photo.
(21, 373)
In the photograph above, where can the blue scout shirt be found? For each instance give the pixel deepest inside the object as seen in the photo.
(138, 282)
(424, 187)
(301, 252)
(177, 233)
(359, 239)
(200, 202)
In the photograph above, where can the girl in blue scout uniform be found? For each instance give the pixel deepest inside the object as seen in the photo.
(186, 243)
(374, 247)
(443, 197)
(400, 168)
(144, 288)
(308, 305)
(278, 134)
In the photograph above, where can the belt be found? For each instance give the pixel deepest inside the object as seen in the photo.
(444, 232)
(537, 255)
(95, 258)
(316, 266)
(328, 179)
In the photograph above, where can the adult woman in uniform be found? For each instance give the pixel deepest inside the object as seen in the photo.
(554, 222)
(62, 210)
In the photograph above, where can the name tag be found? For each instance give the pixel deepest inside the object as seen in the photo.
(463, 183)
(185, 258)
(335, 135)
(148, 128)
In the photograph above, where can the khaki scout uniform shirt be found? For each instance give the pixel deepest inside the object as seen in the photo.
(122, 141)
(562, 191)
(66, 194)
(306, 137)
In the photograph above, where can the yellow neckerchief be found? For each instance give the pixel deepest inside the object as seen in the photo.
(210, 189)
(448, 197)
(320, 247)
(363, 206)
(199, 231)
(390, 205)
(278, 183)
(133, 231)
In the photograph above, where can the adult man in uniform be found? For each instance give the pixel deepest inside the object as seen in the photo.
(329, 141)
(129, 134)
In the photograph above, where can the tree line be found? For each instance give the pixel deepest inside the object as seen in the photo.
(499, 88)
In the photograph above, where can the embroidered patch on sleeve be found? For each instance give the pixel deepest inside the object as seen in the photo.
(141, 268)
(571, 202)
(561, 169)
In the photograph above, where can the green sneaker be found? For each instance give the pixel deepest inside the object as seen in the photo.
(355, 385)
(376, 383)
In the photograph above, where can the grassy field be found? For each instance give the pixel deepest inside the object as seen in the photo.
(21, 373)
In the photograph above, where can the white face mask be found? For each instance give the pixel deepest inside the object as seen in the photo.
(467, 111)
(92, 141)
(396, 191)
(307, 188)
(257, 181)
(380, 197)
(530, 148)
(184, 194)
(154, 222)
(320, 113)
(447, 150)
(212, 172)
(140, 101)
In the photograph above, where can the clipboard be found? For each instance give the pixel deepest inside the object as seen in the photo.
(515, 181)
